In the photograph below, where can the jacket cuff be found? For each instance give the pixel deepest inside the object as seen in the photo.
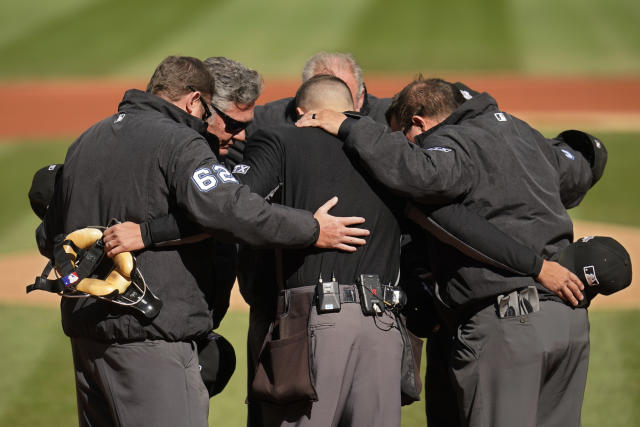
(316, 231)
(345, 127)
(145, 232)
(537, 267)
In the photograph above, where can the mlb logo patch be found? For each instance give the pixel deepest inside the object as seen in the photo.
(241, 169)
(119, 118)
(70, 279)
(465, 94)
(590, 275)
(568, 154)
(500, 117)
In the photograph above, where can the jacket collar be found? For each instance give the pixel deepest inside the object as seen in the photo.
(474, 107)
(139, 100)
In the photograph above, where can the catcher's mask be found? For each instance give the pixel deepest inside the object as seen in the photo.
(83, 270)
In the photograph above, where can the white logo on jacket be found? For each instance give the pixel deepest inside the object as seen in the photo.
(568, 154)
(241, 169)
(207, 179)
(500, 117)
(443, 149)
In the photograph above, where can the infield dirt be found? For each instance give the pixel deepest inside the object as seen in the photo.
(65, 109)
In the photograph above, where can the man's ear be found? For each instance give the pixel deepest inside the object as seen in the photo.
(424, 123)
(192, 100)
(419, 122)
(300, 111)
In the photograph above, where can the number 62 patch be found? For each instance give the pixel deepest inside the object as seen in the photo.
(207, 179)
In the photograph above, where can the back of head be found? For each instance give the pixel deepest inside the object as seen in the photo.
(324, 92)
(334, 63)
(235, 83)
(179, 75)
(431, 98)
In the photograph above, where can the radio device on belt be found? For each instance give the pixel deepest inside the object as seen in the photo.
(371, 296)
(328, 296)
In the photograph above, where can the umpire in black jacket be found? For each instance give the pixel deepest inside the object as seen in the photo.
(521, 353)
(355, 358)
(148, 159)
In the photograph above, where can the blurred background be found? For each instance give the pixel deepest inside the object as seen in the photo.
(65, 64)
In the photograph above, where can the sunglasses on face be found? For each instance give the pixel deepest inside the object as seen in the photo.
(207, 111)
(231, 125)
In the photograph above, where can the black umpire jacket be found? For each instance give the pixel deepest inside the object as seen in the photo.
(145, 161)
(310, 166)
(492, 163)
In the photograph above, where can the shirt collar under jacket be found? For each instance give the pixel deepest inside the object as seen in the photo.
(135, 99)
(474, 107)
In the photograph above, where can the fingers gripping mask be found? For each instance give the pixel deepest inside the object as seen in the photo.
(85, 271)
(122, 265)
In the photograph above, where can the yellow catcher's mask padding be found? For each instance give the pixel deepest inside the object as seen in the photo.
(118, 279)
(83, 238)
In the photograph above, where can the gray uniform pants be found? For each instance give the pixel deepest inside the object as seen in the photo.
(524, 371)
(149, 383)
(356, 361)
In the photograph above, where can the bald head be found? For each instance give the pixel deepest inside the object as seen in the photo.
(341, 65)
(322, 92)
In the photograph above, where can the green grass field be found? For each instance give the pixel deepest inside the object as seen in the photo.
(65, 38)
(36, 372)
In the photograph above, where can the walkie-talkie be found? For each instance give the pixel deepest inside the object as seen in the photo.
(370, 294)
(328, 296)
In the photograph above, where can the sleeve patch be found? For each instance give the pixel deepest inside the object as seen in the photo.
(206, 179)
(241, 169)
(568, 154)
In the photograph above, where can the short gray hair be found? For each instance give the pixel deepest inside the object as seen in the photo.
(315, 92)
(235, 83)
(327, 62)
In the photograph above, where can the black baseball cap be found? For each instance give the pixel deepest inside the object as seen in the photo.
(42, 188)
(217, 362)
(602, 264)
